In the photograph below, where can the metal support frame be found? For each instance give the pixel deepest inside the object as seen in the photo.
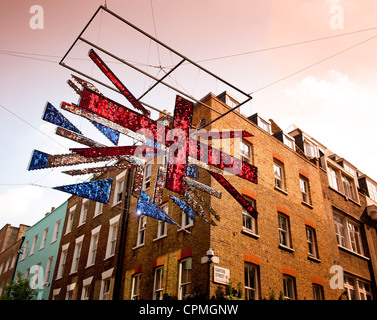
(158, 81)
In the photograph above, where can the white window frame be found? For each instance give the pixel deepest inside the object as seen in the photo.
(135, 288)
(77, 254)
(70, 289)
(24, 249)
(105, 289)
(86, 286)
(93, 247)
(147, 176)
(312, 242)
(71, 216)
(113, 236)
(348, 234)
(248, 219)
(279, 175)
(162, 225)
(289, 287)
(317, 292)
(33, 245)
(284, 233)
(305, 191)
(158, 284)
(119, 188)
(245, 151)
(333, 178)
(142, 226)
(187, 222)
(44, 238)
(84, 211)
(48, 270)
(56, 231)
(98, 209)
(182, 285)
(62, 261)
(251, 276)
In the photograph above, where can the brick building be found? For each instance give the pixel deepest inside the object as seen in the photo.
(290, 248)
(289, 251)
(87, 256)
(10, 243)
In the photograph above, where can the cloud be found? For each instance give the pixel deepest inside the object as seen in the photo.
(339, 112)
(16, 203)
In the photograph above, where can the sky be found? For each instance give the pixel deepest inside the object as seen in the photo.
(318, 73)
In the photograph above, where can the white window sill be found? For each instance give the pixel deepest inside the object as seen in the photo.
(106, 258)
(307, 204)
(310, 257)
(162, 237)
(138, 246)
(249, 233)
(352, 252)
(281, 246)
(281, 190)
(90, 265)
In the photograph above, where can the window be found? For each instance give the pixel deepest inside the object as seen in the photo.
(48, 269)
(93, 247)
(245, 152)
(135, 291)
(33, 245)
(71, 215)
(147, 176)
(141, 230)
(289, 287)
(119, 187)
(63, 258)
(185, 267)
(317, 292)
(304, 187)
(56, 231)
(24, 250)
(310, 149)
(69, 293)
(186, 221)
(76, 254)
(251, 282)
(279, 175)
(105, 292)
(98, 209)
(348, 235)
(349, 285)
(162, 225)
(44, 238)
(365, 291)
(333, 178)
(84, 211)
(348, 187)
(113, 236)
(284, 231)
(312, 242)
(249, 224)
(158, 283)
(85, 292)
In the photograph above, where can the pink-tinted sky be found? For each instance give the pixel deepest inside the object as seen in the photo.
(333, 101)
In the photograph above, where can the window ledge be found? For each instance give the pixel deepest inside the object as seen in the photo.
(159, 238)
(354, 253)
(289, 249)
(312, 258)
(107, 258)
(250, 233)
(307, 204)
(138, 246)
(281, 190)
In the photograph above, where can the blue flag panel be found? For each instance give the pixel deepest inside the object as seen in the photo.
(146, 207)
(184, 206)
(109, 133)
(38, 160)
(53, 116)
(97, 190)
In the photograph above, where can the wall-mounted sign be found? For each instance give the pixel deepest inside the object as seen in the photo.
(221, 275)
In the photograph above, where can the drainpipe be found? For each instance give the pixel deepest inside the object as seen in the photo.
(122, 238)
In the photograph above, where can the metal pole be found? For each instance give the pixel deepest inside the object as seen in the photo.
(122, 238)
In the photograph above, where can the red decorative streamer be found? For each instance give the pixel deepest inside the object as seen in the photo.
(114, 79)
(236, 195)
(179, 152)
